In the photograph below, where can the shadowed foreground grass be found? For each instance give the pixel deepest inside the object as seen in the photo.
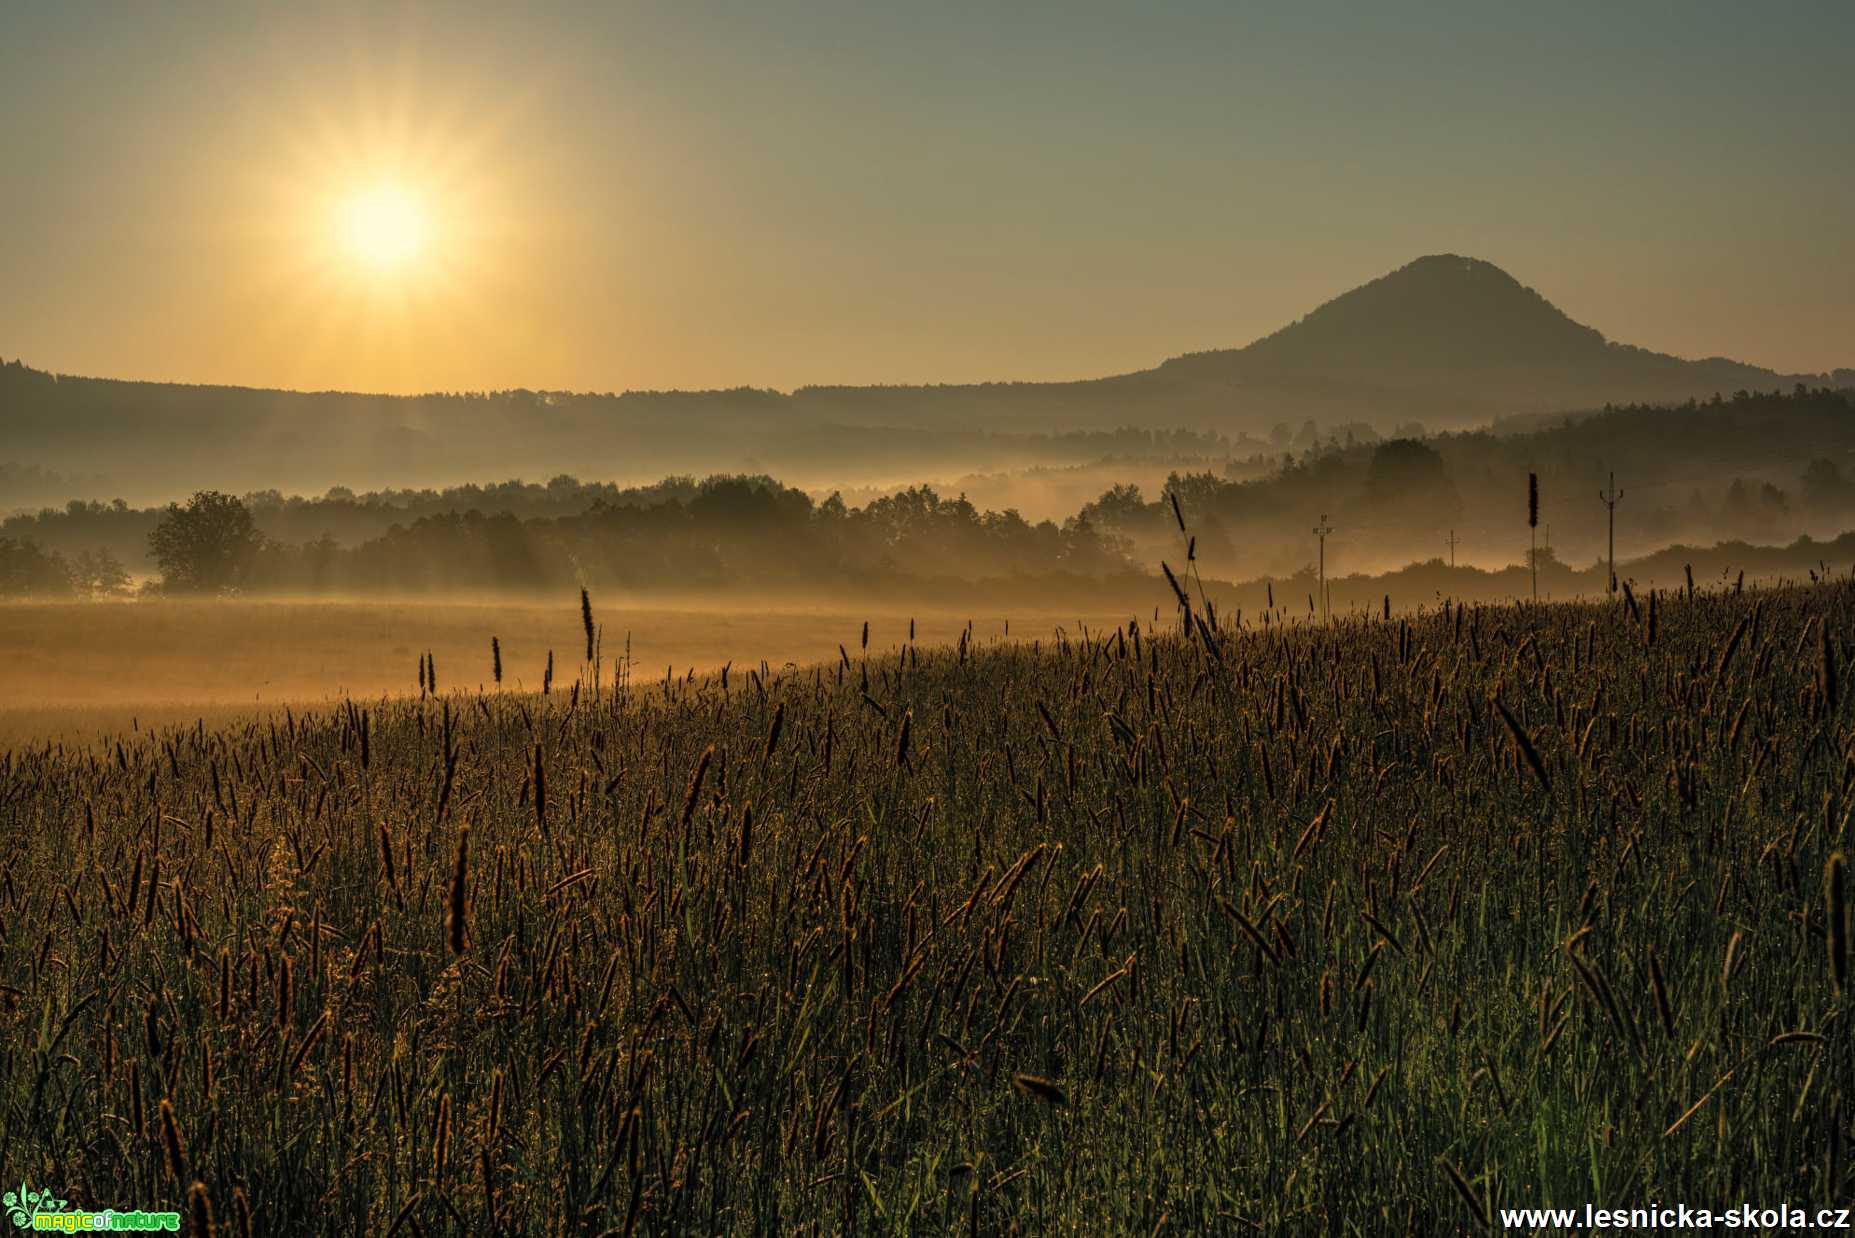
(1375, 927)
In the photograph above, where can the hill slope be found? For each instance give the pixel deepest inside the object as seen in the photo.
(1460, 337)
(1446, 340)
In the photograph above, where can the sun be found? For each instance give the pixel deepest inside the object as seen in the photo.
(384, 226)
(386, 230)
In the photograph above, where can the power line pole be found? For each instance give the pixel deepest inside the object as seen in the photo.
(1452, 548)
(1610, 500)
(1321, 530)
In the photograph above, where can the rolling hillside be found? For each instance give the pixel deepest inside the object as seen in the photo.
(1446, 340)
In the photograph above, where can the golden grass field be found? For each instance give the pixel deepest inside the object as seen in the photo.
(1385, 925)
(77, 671)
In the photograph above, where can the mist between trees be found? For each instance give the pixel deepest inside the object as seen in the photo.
(774, 542)
(1751, 469)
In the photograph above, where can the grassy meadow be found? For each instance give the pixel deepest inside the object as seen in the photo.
(81, 671)
(1373, 927)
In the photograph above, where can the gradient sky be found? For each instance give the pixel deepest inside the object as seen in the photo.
(629, 196)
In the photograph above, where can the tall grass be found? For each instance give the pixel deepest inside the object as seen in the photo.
(1354, 927)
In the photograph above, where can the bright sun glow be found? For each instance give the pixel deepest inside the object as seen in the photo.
(385, 227)
(384, 231)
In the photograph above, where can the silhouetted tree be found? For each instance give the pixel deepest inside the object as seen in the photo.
(99, 574)
(207, 546)
(28, 571)
(1408, 481)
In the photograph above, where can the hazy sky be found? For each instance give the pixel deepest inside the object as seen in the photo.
(614, 196)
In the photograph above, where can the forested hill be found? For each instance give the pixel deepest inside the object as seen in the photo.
(1445, 340)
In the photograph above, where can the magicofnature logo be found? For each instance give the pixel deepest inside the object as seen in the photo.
(40, 1210)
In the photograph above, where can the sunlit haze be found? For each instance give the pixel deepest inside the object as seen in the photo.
(636, 196)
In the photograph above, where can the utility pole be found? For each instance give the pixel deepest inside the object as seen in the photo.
(1452, 548)
(1610, 500)
(1321, 530)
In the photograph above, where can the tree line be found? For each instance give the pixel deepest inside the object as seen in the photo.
(724, 531)
(1764, 466)
(1727, 469)
(29, 570)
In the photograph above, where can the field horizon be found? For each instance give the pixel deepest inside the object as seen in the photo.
(81, 670)
(82, 673)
